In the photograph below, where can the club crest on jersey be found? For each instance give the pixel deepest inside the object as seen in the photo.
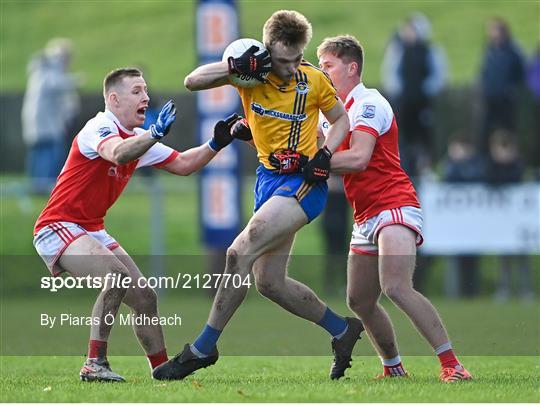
(114, 171)
(302, 88)
(368, 111)
(103, 132)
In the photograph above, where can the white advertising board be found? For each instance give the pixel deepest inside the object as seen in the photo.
(475, 218)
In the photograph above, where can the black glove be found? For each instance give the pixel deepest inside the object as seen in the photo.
(318, 168)
(222, 133)
(240, 130)
(250, 64)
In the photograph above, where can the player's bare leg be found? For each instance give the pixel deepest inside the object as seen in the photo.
(272, 281)
(397, 250)
(271, 228)
(268, 228)
(87, 257)
(143, 300)
(363, 293)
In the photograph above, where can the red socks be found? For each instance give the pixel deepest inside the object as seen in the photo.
(157, 358)
(97, 349)
(393, 367)
(396, 370)
(448, 359)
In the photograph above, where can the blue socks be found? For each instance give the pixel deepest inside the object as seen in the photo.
(206, 341)
(333, 323)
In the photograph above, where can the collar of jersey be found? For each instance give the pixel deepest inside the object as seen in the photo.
(112, 117)
(358, 88)
(276, 82)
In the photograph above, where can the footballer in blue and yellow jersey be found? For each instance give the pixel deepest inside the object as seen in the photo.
(286, 116)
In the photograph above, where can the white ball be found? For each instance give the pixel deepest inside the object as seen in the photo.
(236, 49)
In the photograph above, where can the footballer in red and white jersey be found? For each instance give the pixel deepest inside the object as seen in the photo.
(383, 185)
(88, 185)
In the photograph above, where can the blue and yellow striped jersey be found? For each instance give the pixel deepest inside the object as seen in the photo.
(286, 117)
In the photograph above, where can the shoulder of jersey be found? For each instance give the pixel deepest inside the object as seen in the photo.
(372, 96)
(100, 124)
(101, 120)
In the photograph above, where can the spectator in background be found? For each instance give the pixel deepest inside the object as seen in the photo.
(414, 71)
(50, 107)
(505, 167)
(533, 84)
(533, 75)
(501, 76)
(463, 165)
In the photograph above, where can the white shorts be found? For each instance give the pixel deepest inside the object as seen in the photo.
(51, 241)
(365, 235)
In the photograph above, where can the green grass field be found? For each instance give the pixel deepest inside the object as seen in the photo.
(260, 328)
(271, 379)
(159, 35)
(270, 356)
(285, 360)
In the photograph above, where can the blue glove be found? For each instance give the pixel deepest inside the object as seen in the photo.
(166, 117)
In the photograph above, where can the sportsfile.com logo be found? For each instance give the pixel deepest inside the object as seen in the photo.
(112, 280)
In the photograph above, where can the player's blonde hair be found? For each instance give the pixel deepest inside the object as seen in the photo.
(115, 77)
(345, 47)
(288, 27)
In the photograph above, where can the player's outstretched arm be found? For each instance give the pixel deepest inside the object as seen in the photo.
(196, 158)
(127, 150)
(191, 160)
(208, 76)
(357, 157)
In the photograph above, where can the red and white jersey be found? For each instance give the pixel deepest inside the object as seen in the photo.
(384, 184)
(88, 185)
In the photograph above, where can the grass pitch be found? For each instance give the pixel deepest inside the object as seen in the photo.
(259, 328)
(272, 379)
(476, 326)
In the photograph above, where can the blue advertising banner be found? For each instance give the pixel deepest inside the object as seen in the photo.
(220, 185)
